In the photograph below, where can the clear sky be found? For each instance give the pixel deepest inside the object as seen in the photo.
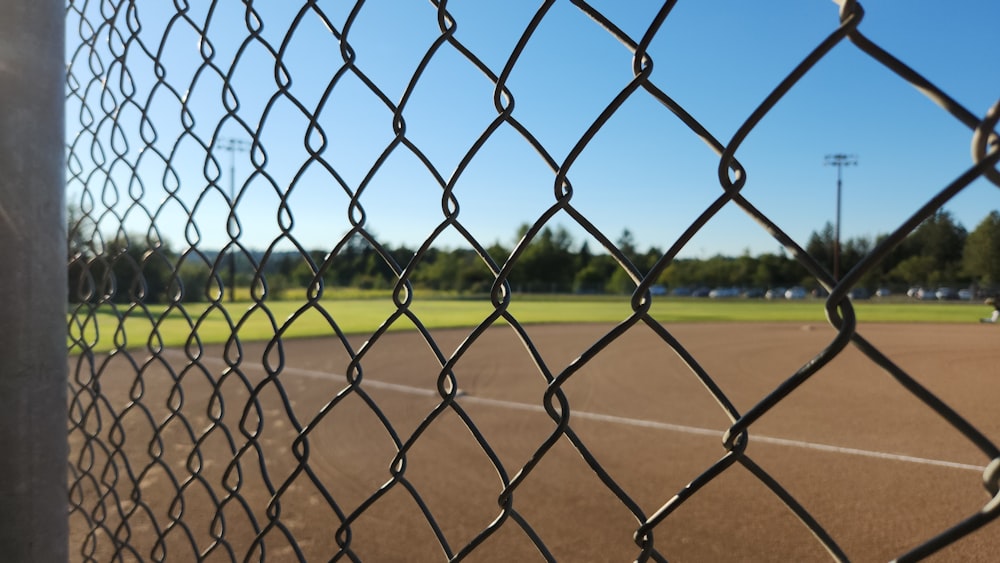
(644, 170)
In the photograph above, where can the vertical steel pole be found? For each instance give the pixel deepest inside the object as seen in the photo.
(840, 161)
(836, 233)
(232, 252)
(33, 450)
(233, 146)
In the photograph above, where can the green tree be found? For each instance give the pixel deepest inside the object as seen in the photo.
(195, 278)
(981, 254)
(583, 256)
(619, 282)
(820, 246)
(134, 269)
(681, 272)
(852, 252)
(917, 269)
(78, 251)
(594, 277)
(626, 244)
(938, 242)
(547, 264)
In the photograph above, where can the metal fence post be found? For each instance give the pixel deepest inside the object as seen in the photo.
(33, 451)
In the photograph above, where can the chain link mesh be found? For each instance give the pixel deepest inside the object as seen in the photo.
(160, 431)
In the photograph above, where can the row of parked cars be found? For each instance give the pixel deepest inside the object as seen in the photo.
(797, 292)
(940, 294)
(730, 292)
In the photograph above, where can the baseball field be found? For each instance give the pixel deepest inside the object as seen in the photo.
(269, 451)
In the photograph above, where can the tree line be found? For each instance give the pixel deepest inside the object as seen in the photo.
(145, 268)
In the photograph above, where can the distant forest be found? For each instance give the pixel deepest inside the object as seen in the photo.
(135, 268)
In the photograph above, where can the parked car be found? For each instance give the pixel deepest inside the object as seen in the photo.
(883, 292)
(657, 290)
(774, 293)
(945, 293)
(965, 294)
(722, 292)
(858, 293)
(795, 293)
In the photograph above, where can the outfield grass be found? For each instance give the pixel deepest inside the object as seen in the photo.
(108, 326)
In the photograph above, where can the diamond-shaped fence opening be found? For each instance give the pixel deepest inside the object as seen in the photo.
(233, 166)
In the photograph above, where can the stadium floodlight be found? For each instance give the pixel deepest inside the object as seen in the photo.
(839, 160)
(233, 146)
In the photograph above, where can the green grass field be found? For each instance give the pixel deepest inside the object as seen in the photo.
(108, 327)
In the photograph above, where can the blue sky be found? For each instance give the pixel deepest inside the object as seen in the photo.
(644, 170)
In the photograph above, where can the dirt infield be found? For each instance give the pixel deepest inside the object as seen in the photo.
(879, 470)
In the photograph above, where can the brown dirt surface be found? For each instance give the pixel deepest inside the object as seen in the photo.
(175, 461)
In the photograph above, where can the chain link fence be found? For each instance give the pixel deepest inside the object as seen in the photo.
(187, 450)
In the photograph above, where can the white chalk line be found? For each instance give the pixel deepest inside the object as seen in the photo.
(638, 422)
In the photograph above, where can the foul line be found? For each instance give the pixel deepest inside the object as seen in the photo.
(708, 432)
(642, 423)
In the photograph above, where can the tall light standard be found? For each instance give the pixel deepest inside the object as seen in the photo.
(233, 146)
(839, 160)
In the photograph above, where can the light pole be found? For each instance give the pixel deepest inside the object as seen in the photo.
(839, 160)
(233, 146)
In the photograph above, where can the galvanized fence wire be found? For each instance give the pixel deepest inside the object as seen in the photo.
(118, 81)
